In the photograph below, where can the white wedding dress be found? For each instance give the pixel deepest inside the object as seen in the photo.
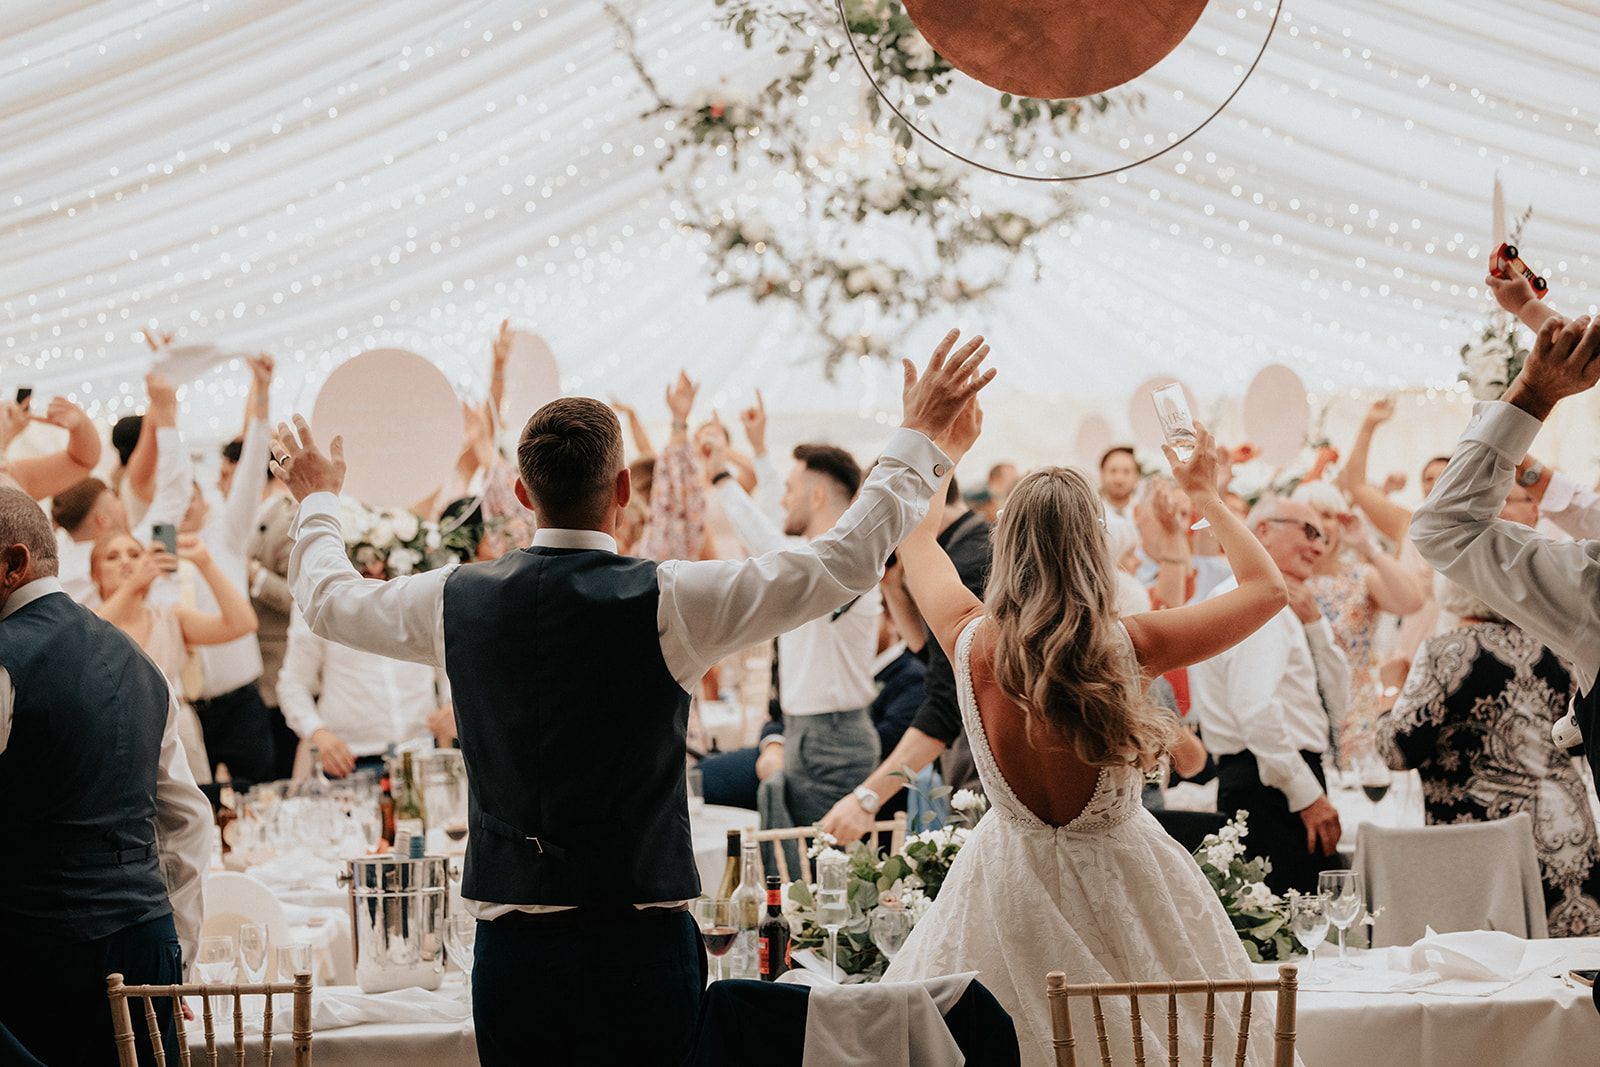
(1109, 897)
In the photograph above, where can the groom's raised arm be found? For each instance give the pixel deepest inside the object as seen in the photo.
(713, 608)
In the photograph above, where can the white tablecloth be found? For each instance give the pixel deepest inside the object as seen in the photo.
(710, 826)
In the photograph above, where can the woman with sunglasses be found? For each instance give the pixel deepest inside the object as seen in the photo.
(1354, 581)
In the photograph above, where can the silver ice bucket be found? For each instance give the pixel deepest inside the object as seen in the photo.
(399, 911)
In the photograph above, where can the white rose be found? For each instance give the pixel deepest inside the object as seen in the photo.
(962, 799)
(857, 281)
(403, 561)
(381, 535)
(885, 193)
(1011, 230)
(755, 231)
(405, 525)
(918, 52)
(435, 540)
(882, 278)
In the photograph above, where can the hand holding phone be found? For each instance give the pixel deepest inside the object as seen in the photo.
(166, 535)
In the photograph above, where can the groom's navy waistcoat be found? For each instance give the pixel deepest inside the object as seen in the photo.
(573, 731)
(78, 777)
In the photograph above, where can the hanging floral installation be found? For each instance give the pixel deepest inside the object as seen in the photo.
(853, 228)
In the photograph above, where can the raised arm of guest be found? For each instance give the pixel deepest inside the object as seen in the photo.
(642, 447)
(677, 526)
(140, 474)
(45, 476)
(1177, 637)
(499, 357)
(1516, 295)
(174, 471)
(1163, 527)
(1545, 586)
(1391, 519)
(902, 609)
(234, 618)
(236, 518)
(1389, 584)
(768, 491)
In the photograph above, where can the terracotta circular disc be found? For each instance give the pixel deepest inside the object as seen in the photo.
(1054, 49)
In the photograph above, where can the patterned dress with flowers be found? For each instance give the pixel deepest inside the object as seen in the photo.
(1474, 721)
(1346, 601)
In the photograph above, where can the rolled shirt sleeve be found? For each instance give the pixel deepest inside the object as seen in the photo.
(1254, 671)
(1550, 588)
(183, 835)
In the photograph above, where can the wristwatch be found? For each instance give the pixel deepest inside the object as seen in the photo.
(870, 802)
(1530, 475)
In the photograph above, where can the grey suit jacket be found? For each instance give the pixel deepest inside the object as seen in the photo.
(269, 546)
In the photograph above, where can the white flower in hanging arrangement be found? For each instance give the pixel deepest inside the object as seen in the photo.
(919, 54)
(1493, 361)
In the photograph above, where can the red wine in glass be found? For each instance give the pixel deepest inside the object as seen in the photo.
(456, 831)
(718, 939)
(1375, 791)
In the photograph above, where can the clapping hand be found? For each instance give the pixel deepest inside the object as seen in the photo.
(1565, 361)
(934, 400)
(298, 464)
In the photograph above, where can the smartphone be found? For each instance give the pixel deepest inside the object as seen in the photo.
(23, 395)
(1585, 977)
(166, 535)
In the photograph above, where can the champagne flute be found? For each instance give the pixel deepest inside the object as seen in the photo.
(833, 902)
(1345, 903)
(215, 965)
(1177, 426)
(717, 930)
(461, 940)
(891, 925)
(1308, 921)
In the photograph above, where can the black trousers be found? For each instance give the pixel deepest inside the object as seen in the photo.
(238, 732)
(605, 989)
(56, 1007)
(1275, 832)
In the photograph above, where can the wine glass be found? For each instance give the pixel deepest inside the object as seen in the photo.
(1346, 901)
(717, 930)
(294, 959)
(253, 954)
(461, 940)
(215, 964)
(890, 927)
(833, 902)
(1308, 921)
(1177, 426)
(1375, 779)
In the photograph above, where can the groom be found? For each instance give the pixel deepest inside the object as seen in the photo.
(571, 668)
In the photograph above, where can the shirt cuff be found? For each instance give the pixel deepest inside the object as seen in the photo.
(1558, 494)
(1320, 630)
(314, 506)
(771, 739)
(1504, 427)
(916, 451)
(1302, 790)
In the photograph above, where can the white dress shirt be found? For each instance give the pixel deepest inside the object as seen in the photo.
(369, 701)
(1570, 507)
(183, 815)
(708, 609)
(72, 568)
(1274, 695)
(824, 665)
(1549, 588)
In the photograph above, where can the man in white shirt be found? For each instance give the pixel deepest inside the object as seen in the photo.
(825, 667)
(112, 835)
(570, 668)
(1267, 707)
(1119, 479)
(352, 706)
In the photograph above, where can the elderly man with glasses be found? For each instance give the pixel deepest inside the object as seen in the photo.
(1267, 707)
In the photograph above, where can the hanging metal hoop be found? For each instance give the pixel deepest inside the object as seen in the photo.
(861, 61)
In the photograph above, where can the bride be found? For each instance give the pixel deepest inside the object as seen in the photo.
(1067, 871)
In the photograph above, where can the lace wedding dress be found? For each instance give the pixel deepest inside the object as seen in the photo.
(1109, 897)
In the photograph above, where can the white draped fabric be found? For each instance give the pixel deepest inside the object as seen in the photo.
(315, 179)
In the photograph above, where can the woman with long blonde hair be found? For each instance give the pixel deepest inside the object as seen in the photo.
(1067, 871)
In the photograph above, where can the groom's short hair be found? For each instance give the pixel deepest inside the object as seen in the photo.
(569, 456)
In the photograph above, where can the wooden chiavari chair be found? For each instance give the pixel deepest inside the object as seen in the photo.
(802, 835)
(122, 1020)
(1061, 994)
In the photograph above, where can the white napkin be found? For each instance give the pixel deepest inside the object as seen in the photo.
(333, 1007)
(1467, 956)
(887, 1024)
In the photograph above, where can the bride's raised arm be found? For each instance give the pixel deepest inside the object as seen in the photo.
(1167, 640)
(946, 604)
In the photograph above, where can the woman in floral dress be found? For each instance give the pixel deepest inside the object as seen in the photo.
(1353, 582)
(1474, 721)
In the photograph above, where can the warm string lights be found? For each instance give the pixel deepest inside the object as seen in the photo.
(448, 164)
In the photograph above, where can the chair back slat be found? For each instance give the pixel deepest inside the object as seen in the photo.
(1100, 1033)
(1286, 987)
(1172, 1027)
(1066, 1046)
(1244, 1030)
(122, 1019)
(803, 836)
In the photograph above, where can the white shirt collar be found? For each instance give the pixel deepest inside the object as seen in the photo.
(29, 593)
(589, 539)
(887, 656)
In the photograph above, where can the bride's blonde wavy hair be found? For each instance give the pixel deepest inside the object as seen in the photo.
(1057, 651)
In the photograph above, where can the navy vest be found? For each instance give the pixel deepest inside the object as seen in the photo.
(573, 731)
(78, 776)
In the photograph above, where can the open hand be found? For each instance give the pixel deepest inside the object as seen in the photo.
(155, 339)
(1381, 411)
(501, 351)
(297, 463)
(933, 400)
(680, 398)
(957, 441)
(1565, 361)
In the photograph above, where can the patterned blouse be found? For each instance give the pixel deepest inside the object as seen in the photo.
(1345, 599)
(677, 528)
(1474, 720)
